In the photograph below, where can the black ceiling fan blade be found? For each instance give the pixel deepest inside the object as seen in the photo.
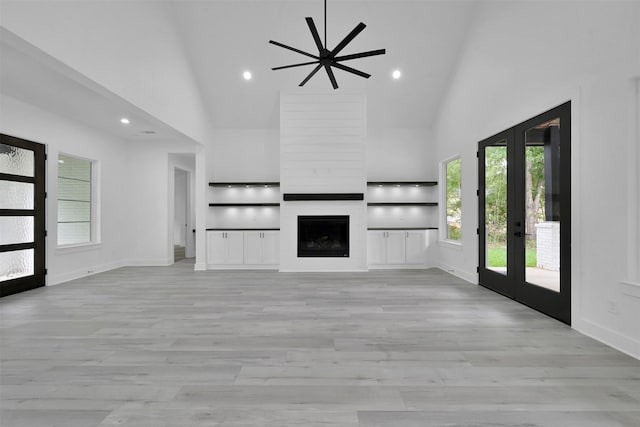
(351, 70)
(311, 74)
(334, 83)
(295, 65)
(360, 55)
(314, 33)
(357, 30)
(293, 49)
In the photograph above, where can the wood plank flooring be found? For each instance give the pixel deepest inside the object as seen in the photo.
(167, 346)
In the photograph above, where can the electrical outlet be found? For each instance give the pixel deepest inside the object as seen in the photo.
(613, 307)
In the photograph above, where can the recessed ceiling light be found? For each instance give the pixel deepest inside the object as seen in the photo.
(396, 74)
(124, 121)
(247, 75)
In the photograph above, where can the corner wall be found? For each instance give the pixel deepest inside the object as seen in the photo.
(586, 52)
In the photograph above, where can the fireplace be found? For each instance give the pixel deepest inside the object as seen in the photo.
(323, 236)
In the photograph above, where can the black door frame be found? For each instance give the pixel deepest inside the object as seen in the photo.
(513, 284)
(21, 284)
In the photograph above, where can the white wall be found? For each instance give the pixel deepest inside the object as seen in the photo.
(134, 192)
(401, 154)
(586, 52)
(150, 201)
(130, 48)
(63, 135)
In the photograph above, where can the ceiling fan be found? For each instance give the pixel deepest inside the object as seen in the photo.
(328, 58)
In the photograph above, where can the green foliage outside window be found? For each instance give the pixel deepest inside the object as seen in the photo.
(454, 200)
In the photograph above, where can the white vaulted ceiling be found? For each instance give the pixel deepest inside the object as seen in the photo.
(219, 39)
(224, 38)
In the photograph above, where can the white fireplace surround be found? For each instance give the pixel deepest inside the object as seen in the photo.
(322, 150)
(357, 259)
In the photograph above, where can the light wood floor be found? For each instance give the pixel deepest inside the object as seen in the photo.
(166, 346)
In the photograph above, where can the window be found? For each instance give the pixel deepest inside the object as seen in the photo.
(452, 171)
(75, 201)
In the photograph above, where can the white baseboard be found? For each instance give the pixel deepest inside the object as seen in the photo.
(461, 274)
(200, 266)
(84, 272)
(610, 337)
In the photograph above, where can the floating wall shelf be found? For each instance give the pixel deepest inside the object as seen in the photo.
(402, 228)
(232, 205)
(402, 183)
(244, 184)
(403, 204)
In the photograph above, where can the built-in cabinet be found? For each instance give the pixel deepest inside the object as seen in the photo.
(261, 247)
(401, 217)
(235, 241)
(225, 247)
(396, 247)
(243, 248)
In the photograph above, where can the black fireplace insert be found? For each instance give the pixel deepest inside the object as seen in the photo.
(323, 236)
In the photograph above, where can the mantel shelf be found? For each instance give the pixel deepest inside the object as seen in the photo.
(401, 228)
(403, 204)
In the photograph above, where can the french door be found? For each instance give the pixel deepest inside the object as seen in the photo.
(22, 215)
(524, 212)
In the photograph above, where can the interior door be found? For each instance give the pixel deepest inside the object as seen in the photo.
(524, 212)
(22, 215)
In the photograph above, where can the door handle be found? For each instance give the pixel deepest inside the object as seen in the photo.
(518, 234)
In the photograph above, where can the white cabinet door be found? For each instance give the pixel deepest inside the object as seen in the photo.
(253, 247)
(395, 247)
(270, 247)
(376, 247)
(216, 247)
(235, 247)
(415, 246)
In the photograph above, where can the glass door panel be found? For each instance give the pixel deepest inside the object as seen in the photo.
(16, 264)
(16, 229)
(542, 205)
(22, 215)
(495, 209)
(15, 194)
(16, 161)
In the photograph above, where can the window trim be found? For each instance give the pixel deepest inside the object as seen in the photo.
(444, 240)
(95, 211)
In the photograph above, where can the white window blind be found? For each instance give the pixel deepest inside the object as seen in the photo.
(74, 200)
